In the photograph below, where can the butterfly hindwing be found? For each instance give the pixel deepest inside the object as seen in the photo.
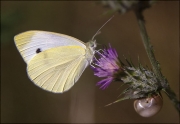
(57, 69)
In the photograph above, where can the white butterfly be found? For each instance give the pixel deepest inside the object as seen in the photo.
(54, 61)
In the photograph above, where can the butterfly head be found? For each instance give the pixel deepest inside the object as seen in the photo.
(91, 45)
(90, 50)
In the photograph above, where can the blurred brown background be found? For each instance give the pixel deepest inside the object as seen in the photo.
(22, 101)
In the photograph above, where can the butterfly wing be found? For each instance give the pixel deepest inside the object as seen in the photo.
(30, 43)
(57, 69)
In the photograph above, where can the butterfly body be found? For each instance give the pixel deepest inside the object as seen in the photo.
(55, 61)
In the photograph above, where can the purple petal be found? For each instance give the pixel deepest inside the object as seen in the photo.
(106, 66)
(105, 82)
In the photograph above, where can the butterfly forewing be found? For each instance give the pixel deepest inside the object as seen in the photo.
(31, 43)
(57, 69)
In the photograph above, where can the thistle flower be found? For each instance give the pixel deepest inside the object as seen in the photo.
(141, 82)
(107, 66)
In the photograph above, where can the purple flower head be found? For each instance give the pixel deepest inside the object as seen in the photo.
(107, 66)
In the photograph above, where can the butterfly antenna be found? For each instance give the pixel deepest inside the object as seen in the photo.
(98, 32)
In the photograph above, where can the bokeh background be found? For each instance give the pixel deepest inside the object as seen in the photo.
(23, 102)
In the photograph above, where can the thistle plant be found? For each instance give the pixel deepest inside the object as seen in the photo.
(143, 84)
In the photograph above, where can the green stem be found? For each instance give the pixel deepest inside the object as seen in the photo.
(155, 65)
(172, 97)
(148, 46)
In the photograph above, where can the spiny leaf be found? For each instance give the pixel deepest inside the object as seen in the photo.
(131, 62)
(124, 98)
(121, 85)
(121, 62)
(125, 91)
(127, 61)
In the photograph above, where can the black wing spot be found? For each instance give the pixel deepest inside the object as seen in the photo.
(38, 50)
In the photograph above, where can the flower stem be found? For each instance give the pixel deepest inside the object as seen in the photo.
(172, 97)
(155, 65)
